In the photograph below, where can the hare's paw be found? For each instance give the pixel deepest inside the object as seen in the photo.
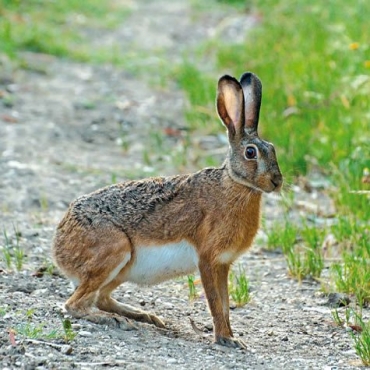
(125, 324)
(155, 320)
(112, 321)
(231, 342)
(103, 318)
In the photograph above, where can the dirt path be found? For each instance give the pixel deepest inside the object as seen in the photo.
(61, 136)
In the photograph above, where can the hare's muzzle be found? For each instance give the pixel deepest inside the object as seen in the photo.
(277, 181)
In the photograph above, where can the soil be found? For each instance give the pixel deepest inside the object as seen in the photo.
(61, 129)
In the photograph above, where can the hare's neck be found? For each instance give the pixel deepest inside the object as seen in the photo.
(241, 213)
(239, 180)
(241, 197)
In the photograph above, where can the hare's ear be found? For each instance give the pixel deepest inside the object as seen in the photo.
(230, 105)
(252, 89)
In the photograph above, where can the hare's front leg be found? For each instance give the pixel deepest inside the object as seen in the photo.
(214, 279)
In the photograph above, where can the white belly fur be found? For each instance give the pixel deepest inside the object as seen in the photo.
(156, 263)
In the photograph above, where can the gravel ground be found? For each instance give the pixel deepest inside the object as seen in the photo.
(55, 145)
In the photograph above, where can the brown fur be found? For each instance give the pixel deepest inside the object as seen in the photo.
(216, 211)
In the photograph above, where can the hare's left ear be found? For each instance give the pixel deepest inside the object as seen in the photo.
(230, 105)
(252, 89)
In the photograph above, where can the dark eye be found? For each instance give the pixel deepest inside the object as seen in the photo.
(251, 152)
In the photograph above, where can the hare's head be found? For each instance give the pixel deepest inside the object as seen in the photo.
(251, 161)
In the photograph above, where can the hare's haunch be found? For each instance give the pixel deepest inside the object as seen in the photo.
(153, 230)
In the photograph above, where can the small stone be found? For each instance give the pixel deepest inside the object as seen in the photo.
(168, 306)
(209, 326)
(285, 338)
(142, 303)
(84, 333)
(66, 349)
(172, 361)
(39, 292)
(337, 300)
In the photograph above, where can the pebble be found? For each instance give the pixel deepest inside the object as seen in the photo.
(84, 333)
(66, 349)
(172, 361)
(168, 306)
(40, 292)
(209, 326)
(338, 300)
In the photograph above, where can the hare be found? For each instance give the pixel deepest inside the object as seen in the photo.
(152, 230)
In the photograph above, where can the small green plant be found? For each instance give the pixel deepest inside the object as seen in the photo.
(362, 341)
(44, 202)
(239, 287)
(352, 275)
(30, 330)
(146, 157)
(305, 259)
(12, 252)
(274, 236)
(3, 311)
(295, 263)
(192, 289)
(113, 178)
(303, 262)
(50, 268)
(29, 313)
(6, 251)
(282, 235)
(18, 252)
(69, 333)
(337, 319)
(360, 332)
(27, 328)
(314, 261)
(349, 313)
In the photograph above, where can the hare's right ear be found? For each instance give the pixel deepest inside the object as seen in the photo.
(252, 89)
(230, 105)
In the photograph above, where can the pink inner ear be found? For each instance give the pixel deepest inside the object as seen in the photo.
(233, 103)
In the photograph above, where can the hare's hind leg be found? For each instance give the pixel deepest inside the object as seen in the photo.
(101, 268)
(81, 305)
(106, 303)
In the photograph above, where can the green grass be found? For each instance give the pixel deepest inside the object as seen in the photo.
(3, 311)
(28, 327)
(352, 274)
(362, 342)
(192, 288)
(12, 252)
(56, 27)
(239, 289)
(360, 332)
(316, 89)
(281, 235)
(301, 246)
(311, 93)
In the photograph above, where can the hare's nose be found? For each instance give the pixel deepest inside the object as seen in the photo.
(277, 181)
